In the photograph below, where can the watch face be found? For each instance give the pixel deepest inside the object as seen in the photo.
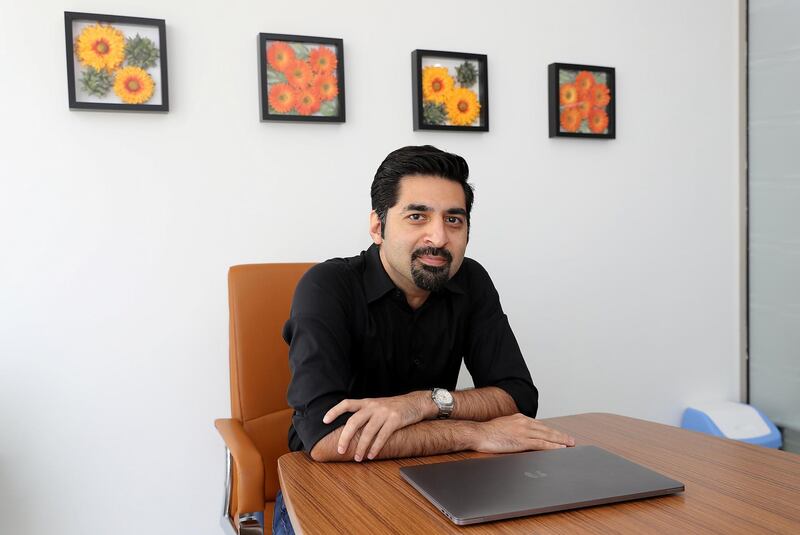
(443, 396)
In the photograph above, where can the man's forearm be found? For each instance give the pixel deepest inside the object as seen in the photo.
(430, 437)
(482, 404)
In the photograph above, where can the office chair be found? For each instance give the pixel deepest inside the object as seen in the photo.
(259, 297)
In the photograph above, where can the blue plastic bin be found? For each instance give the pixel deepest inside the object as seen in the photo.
(733, 420)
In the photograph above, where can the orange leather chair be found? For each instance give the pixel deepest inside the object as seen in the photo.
(259, 297)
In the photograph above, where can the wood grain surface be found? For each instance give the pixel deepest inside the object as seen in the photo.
(731, 488)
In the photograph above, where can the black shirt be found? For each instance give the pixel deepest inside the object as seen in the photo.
(352, 335)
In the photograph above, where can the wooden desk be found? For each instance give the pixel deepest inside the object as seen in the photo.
(731, 487)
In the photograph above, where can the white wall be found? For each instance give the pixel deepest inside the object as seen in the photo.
(617, 261)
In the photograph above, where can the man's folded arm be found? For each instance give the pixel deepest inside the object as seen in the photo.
(373, 420)
(506, 434)
(430, 437)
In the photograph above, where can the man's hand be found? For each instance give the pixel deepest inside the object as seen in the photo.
(509, 434)
(377, 419)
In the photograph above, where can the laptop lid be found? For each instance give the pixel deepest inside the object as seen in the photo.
(534, 482)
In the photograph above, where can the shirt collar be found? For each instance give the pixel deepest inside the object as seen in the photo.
(377, 282)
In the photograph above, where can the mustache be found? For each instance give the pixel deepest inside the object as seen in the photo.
(432, 251)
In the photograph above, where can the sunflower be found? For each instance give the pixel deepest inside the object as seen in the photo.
(436, 84)
(307, 102)
(299, 74)
(584, 81)
(280, 56)
(323, 60)
(571, 119)
(598, 121)
(325, 87)
(133, 85)
(600, 95)
(100, 47)
(282, 98)
(462, 106)
(568, 94)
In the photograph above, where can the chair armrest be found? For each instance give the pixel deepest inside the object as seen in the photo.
(248, 462)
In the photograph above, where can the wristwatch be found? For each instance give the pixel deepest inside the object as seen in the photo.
(444, 401)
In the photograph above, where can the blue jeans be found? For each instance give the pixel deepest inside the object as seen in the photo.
(281, 525)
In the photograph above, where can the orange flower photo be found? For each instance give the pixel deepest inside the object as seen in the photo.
(450, 91)
(301, 77)
(582, 101)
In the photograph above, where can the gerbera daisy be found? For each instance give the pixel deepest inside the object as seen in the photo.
(100, 47)
(584, 107)
(307, 102)
(325, 87)
(280, 56)
(568, 94)
(322, 60)
(133, 85)
(571, 119)
(299, 74)
(600, 95)
(584, 81)
(436, 84)
(598, 121)
(282, 98)
(462, 106)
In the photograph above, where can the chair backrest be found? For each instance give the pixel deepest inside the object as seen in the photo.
(260, 297)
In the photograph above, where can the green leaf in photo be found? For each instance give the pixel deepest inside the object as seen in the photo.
(300, 50)
(275, 77)
(467, 74)
(96, 82)
(433, 113)
(273, 111)
(329, 108)
(566, 77)
(141, 52)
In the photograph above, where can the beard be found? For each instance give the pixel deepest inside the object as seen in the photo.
(430, 278)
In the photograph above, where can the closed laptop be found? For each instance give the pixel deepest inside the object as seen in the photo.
(520, 484)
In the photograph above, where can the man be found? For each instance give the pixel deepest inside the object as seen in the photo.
(377, 340)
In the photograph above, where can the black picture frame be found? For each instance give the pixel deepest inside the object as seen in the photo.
(558, 76)
(433, 114)
(81, 98)
(330, 110)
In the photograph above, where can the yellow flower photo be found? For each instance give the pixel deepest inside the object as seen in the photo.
(450, 91)
(133, 85)
(436, 84)
(463, 107)
(101, 47)
(116, 62)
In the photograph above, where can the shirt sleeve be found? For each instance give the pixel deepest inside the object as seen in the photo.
(319, 345)
(493, 357)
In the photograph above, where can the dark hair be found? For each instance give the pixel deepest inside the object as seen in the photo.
(413, 161)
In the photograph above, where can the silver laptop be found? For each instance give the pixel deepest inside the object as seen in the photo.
(534, 482)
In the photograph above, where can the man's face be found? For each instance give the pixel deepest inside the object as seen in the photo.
(425, 236)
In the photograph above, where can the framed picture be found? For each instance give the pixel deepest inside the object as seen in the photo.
(116, 63)
(582, 101)
(450, 91)
(301, 78)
